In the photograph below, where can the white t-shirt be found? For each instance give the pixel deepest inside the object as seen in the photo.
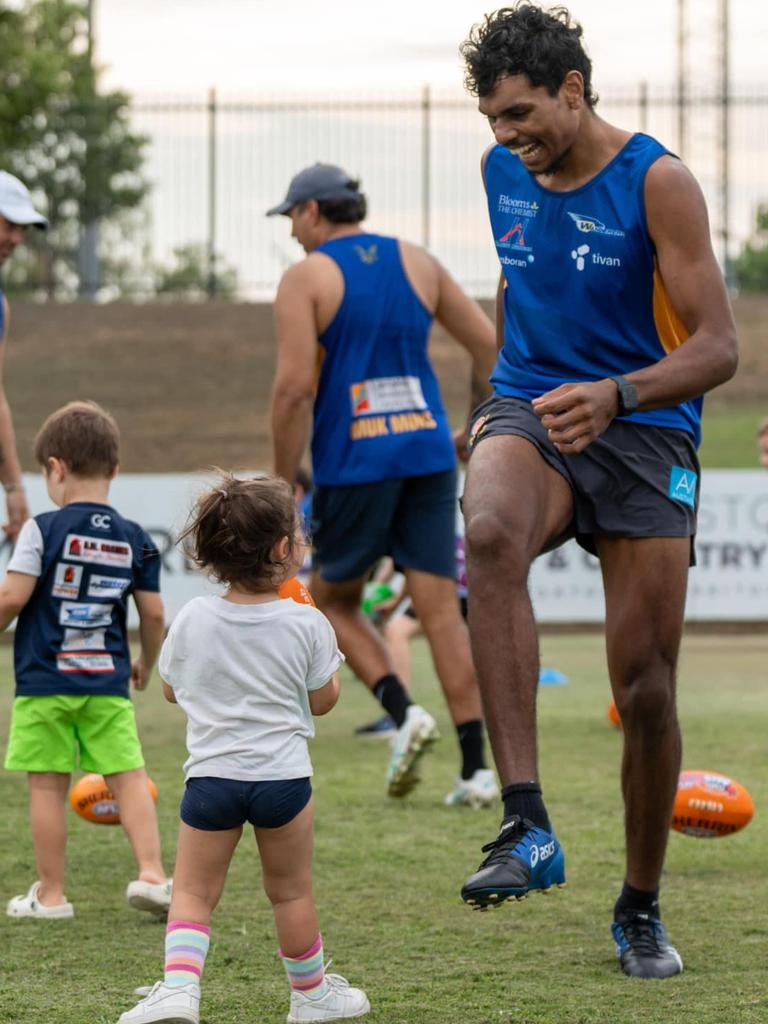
(241, 673)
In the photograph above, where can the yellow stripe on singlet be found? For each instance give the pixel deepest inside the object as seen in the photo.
(670, 328)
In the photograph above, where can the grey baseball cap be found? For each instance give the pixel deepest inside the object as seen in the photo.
(320, 181)
(16, 202)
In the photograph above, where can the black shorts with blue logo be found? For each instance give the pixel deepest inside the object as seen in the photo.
(634, 480)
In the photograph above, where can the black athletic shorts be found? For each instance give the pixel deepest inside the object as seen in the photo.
(634, 480)
(412, 519)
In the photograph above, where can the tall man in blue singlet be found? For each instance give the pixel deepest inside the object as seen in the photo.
(16, 213)
(352, 323)
(615, 321)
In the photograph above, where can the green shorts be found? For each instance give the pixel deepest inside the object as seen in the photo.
(48, 733)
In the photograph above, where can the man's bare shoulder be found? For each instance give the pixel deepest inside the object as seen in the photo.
(308, 274)
(667, 178)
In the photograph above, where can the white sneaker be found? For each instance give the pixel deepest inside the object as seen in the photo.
(154, 897)
(29, 905)
(412, 740)
(178, 1004)
(341, 1000)
(480, 790)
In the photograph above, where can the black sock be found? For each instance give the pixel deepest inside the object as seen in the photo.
(524, 799)
(637, 899)
(393, 697)
(471, 741)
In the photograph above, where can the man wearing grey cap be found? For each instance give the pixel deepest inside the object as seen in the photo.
(353, 321)
(16, 214)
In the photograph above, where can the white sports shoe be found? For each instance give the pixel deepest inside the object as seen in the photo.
(154, 897)
(29, 905)
(170, 1004)
(412, 740)
(341, 1000)
(480, 790)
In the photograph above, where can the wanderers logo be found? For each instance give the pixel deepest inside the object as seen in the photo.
(369, 255)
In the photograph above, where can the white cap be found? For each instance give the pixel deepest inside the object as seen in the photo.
(16, 202)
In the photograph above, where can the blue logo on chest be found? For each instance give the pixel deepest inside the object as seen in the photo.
(682, 485)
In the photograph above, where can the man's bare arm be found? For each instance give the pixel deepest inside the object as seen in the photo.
(10, 468)
(677, 220)
(295, 375)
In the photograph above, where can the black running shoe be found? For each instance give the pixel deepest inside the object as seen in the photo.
(522, 858)
(383, 727)
(642, 946)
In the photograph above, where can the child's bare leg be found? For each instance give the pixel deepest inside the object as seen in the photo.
(286, 868)
(48, 821)
(202, 862)
(139, 819)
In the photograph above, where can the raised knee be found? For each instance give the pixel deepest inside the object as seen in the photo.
(491, 541)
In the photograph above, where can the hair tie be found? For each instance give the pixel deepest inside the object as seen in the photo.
(222, 493)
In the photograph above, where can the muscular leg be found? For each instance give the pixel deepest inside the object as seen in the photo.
(645, 583)
(437, 608)
(398, 634)
(363, 647)
(514, 504)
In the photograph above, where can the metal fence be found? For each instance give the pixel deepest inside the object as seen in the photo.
(216, 164)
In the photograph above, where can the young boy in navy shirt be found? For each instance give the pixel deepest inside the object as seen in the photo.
(68, 581)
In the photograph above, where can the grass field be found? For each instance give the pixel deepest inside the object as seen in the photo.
(388, 876)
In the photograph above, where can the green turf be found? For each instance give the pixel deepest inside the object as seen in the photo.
(388, 875)
(728, 435)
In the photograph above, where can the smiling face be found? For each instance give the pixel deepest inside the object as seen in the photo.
(11, 235)
(534, 125)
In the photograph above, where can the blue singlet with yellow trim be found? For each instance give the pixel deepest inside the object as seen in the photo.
(584, 298)
(378, 411)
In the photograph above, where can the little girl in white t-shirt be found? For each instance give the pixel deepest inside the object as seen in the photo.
(249, 670)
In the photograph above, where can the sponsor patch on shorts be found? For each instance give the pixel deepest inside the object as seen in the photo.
(66, 580)
(85, 663)
(682, 485)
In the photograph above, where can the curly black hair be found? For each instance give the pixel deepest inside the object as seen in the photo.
(526, 40)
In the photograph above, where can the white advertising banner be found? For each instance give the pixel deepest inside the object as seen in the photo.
(729, 583)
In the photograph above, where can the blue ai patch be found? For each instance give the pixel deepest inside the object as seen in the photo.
(682, 485)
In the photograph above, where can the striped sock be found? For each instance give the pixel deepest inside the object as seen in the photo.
(306, 973)
(186, 946)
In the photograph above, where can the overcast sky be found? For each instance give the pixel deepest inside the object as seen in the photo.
(180, 47)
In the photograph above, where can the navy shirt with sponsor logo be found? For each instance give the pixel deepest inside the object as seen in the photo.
(71, 636)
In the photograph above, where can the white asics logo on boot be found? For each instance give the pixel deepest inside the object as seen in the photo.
(542, 852)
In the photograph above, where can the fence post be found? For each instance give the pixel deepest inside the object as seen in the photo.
(643, 104)
(211, 283)
(426, 168)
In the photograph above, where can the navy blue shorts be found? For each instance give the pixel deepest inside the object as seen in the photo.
(214, 805)
(412, 519)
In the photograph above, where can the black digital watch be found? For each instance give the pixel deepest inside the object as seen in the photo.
(628, 401)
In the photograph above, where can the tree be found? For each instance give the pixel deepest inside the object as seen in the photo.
(70, 143)
(190, 278)
(750, 268)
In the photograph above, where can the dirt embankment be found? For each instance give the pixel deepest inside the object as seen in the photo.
(189, 384)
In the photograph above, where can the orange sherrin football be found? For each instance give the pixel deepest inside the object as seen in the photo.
(92, 800)
(613, 715)
(295, 588)
(709, 805)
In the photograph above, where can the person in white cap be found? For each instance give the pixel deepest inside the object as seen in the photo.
(16, 214)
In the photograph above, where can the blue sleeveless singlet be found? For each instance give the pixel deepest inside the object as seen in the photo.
(584, 297)
(378, 412)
